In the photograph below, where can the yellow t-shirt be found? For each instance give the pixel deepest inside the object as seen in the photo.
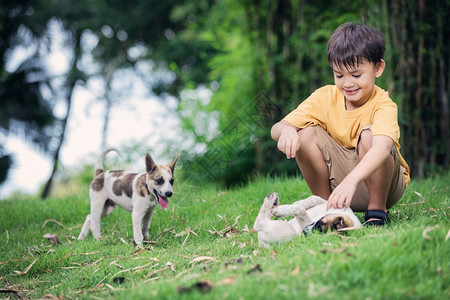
(326, 108)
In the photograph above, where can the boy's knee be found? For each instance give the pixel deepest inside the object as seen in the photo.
(307, 135)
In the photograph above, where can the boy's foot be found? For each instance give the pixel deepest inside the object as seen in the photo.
(376, 218)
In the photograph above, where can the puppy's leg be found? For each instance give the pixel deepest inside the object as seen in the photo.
(137, 226)
(146, 224)
(263, 216)
(98, 200)
(296, 210)
(108, 208)
(289, 209)
(86, 226)
(285, 210)
(302, 217)
(262, 239)
(265, 213)
(311, 202)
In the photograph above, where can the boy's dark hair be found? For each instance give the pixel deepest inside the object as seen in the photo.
(350, 43)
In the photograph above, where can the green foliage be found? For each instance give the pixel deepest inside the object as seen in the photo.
(278, 50)
(202, 247)
(259, 60)
(419, 65)
(23, 109)
(270, 57)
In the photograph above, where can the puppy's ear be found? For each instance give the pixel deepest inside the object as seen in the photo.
(172, 164)
(149, 163)
(347, 222)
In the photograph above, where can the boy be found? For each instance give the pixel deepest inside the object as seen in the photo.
(344, 137)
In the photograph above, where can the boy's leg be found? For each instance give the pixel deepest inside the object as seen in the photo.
(324, 164)
(311, 163)
(339, 162)
(379, 182)
(386, 185)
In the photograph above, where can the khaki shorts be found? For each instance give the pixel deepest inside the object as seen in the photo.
(341, 161)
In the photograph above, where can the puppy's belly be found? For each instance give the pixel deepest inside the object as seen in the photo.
(317, 212)
(276, 231)
(122, 201)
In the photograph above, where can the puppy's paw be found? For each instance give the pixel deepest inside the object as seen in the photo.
(138, 244)
(271, 200)
(282, 211)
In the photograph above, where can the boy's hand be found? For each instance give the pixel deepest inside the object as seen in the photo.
(287, 139)
(289, 143)
(342, 195)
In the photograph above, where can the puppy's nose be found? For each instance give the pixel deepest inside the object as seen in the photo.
(169, 194)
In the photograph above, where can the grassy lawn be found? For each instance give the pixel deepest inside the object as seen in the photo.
(203, 246)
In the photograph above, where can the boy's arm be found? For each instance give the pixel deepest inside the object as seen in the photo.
(372, 161)
(287, 137)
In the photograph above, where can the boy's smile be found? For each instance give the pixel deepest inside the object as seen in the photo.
(356, 83)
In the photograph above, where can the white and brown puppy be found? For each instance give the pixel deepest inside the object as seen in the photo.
(138, 193)
(308, 214)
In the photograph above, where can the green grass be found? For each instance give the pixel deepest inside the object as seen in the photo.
(203, 246)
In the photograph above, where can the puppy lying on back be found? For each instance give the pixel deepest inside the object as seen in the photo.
(308, 214)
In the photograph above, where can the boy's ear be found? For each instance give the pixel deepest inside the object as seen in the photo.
(379, 68)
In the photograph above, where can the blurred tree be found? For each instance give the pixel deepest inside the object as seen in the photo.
(23, 109)
(270, 56)
(121, 29)
(259, 60)
(418, 33)
(154, 30)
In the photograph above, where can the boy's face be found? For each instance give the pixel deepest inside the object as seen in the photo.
(357, 83)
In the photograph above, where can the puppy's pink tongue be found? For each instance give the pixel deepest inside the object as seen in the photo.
(163, 202)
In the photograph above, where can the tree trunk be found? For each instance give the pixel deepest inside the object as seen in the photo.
(72, 77)
(421, 61)
(48, 186)
(107, 113)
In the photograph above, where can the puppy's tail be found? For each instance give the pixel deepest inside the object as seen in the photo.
(99, 164)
